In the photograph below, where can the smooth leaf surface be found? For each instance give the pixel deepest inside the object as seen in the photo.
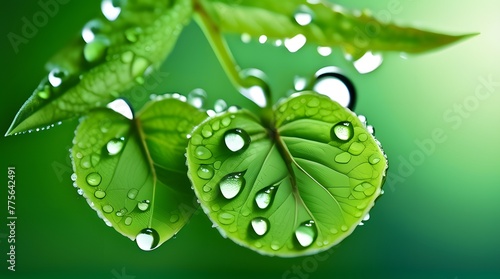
(111, 56)
(133, 172)
(324, 24)
(297, 188)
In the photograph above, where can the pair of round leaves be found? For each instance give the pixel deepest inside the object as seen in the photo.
(295, 188)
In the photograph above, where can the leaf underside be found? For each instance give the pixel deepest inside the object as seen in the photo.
(133, 172)
(289, 190)
(109, 58)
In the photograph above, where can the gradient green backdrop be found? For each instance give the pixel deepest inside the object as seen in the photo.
(439, 217)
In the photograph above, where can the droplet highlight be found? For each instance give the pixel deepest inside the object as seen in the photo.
(115, 146)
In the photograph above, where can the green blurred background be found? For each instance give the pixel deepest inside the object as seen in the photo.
(438, 216)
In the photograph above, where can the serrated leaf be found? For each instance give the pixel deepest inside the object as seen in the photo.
(322, 23)
(110, 58)
(133, 172)
(295, 188)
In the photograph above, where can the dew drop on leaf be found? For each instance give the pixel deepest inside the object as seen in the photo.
(260, 226)
(128, 221)
(122, 107)
(324, 51)
(91, 30)
(147, 239)
(56, 77)
(331, 83)
(205, 172)
(226, 218)
(236, 139)
(369, 62)
(342, 132)
(202, 153)
(232, 184)
(265, 197)
(220, 106)
(197, 97)
(132, 193)
(114, 146)
(306, 233)
(100, 194)
(296, 43)
(95, 50)
(94, 179)
(256, 87)
(303, 15)
(108, 208)
(143, 205)
(109, 10)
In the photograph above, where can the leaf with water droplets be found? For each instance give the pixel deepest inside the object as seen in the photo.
(296, 186)
(111, 56)
(320, 22)
(133, 171)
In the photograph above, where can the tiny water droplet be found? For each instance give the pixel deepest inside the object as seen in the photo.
(109, 10)
(128, 221)
(306, 233)
(220, 106)
(56, 77)
(275, 246)
(368, 62)
(324, 51)
(143, 205)
(96, 49)
(207, 188)
(343, 158)
(303, 15)
(127, 57)
(236, 139)
(197, 97)
(299, 83)
(91, 29)
(231, 184)
(226, 218)
(296, 43)
(256, 88)
(260, 226)
(94, 179)
(370, 129)
(43, 93)
(205, 172)
(115, 146)
(263, 39)
(246, 38)
(100, 194)
(132, 34)
(331, 83)
(80, 191)
(108, 208)
(132, 194)
(174, 218)
(202, 153)
(265, 197)
(73, 177)
(122, 107)
(374, 159)
(121, 212)
(148, 239)
(342, 131)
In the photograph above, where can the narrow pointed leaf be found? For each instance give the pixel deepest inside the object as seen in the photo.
(294, 189)
(133, 172)
(110, 57)
(324, 24)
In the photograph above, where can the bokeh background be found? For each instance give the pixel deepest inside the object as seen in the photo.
(439, 216)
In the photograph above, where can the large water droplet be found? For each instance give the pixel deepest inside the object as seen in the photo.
(95, 50)
(115, 146)
(122, 107)
(231, 184)
(265, 197)
(236, 140)
(143, 205)
(148, 239)
(368, 62)
(255, 86)
(197, 97)
(56, 77)
(260, 226)
(306, 233)
(205, 172)
(303, 15)
(94, 179)
(331, 83)
(110, 10)
(296, 43)
(202, 153)
(342, 131)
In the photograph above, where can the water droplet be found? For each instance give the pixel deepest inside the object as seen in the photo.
(143, 205)
(121, 212)
(226, 218)
(226, 121)
(236, 140)
(91, 29)
(132, 194)
(127, 57)
(96, 49)
(343, 158)
(324, 51)
(114, 146)
(140, 66)
(367, 217)
(255, 88)
(197, 97)
(122, 107)
(100, 194)
(231, 184)
(342, 131)
(174, 218)
(296, 43)
(306, 233)
(207, 188)
(73, 177)
(356, 148)
(107, 208)
(246, 38)
(303, 15)
(128, 221)
(344, 228)
(80, 191)
(94, 179)
(331, 83)
(368, 62)
(202, 153)
(263, 39)
(260, 226)
(265, 197)
(206, 131)
(132, 34)
(370, 129)
(109, 10)
(220, 106)
(299, 83)
(205, 172)
(275, 246)
(374, 159)
(362, 137)
(148, 239)
(43, 93)
(56, 77)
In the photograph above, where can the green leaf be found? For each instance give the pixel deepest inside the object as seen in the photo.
(324, 24)
(111, 57)
(133, 172)
(296, 188)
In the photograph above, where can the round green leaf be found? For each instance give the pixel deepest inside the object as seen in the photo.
(133, 172)
(297, 188)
